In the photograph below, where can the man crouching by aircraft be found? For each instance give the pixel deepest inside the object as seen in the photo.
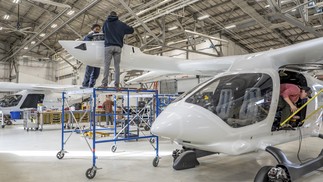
(289, 95)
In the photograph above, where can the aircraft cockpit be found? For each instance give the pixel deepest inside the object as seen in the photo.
(239, 100)
(10, 100)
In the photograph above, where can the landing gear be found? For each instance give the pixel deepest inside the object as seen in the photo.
(286, 171)
(271, 173)
(113, 148)
(184, 159)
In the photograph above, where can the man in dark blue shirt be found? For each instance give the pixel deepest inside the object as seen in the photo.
(114, 31)
(91, 73)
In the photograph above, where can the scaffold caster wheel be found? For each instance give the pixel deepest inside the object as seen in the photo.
(9, 122)
(152, 140)
(155, 161)
(113, 148)
(27, 129)
(2, 126)
(90, 173)
(147, 128)
(60, 155)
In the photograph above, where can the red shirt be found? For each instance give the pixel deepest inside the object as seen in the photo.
(291, 91)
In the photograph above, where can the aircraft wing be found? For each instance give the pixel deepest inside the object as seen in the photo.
(148, 77)
(10, 86)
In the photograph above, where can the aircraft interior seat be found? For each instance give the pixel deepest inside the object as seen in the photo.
(223, 109)
(249, 110)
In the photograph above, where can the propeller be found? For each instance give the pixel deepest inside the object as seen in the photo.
(18, 28)
(52, 3)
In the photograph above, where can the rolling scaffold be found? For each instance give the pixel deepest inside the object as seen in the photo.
(122, 135)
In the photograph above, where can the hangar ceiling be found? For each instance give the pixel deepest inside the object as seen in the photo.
(160, 25)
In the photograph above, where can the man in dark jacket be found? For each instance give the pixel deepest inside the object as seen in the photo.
(91, 73)
(114, 31)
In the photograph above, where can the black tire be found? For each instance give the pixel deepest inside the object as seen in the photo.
(113, 148)
(3, 126)
(60, 155)
(262, 175)
(90, 173)
(152, 140)
(147, 128)
(155, 161)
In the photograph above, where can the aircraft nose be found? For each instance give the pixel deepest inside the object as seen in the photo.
(167, 124)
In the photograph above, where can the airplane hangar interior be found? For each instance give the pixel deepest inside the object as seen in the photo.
(161, 90)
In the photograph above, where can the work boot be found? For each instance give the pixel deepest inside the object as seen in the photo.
(103, 86)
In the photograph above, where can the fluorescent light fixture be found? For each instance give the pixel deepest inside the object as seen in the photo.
(25, 48)
(54, 25)
(70, 12)
(203, 17)
(317, 26)
(267, 6)
(42, 34)
(0, 28)
(230, 26)
(16, 1)
(293, 10)
(33, 42)
(6, 17)
(146, 37)
(172, 28)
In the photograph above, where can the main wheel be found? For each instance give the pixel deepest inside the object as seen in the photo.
(262, 175)
(155, 161)
(60, 155)
(3, 126)
(90, 173)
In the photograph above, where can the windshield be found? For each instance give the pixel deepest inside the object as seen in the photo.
(10, 100)
(239, 100)
(190, 91)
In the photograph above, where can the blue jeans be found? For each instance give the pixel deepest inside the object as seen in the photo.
(90, 76)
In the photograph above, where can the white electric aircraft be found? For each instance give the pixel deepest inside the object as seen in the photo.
(236, 111)
(30, 95)
(92, 53)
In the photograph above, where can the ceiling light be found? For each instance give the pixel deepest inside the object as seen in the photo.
(317, 26)
(146, 37)
(172, 28)
(42, 34)
(230, 26)
(293, 10)
(16, 1)
(0, 28)
(25, 48)
(33, 42)
(267, 6)
(54, 26)
(203, 17)
(70, 12)
(6, 17)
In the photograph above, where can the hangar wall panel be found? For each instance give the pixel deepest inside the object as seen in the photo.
(31, 71)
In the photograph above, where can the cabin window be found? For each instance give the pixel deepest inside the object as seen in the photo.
(32, 100)
(239, 100)
(10, 100)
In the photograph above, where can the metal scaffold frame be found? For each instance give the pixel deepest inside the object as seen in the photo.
(91, 172)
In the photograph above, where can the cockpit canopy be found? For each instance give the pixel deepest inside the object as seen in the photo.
(10, 100)
(239, 100)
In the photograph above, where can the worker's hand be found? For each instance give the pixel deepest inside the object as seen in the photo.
(293, 108)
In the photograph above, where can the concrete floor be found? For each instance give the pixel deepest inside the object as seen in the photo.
(31, 157)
